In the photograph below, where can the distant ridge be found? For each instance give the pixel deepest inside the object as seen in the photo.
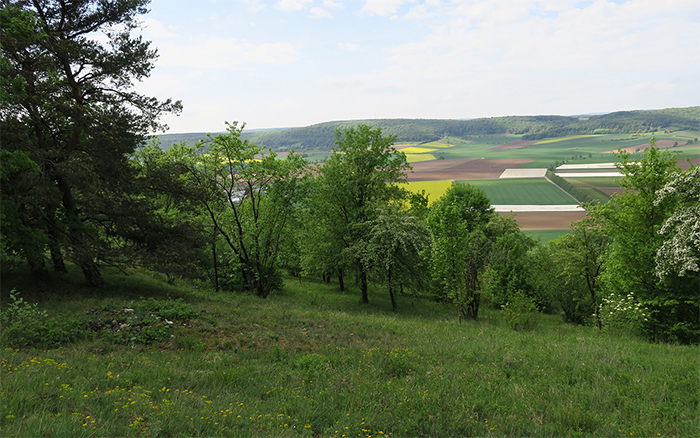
(321, 137)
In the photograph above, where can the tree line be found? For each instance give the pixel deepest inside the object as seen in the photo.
(320, 137)
(80, 184)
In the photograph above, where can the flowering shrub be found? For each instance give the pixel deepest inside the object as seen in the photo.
(622, 312)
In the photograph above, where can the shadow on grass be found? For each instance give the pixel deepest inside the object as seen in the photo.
(70, 292)
(314, 293)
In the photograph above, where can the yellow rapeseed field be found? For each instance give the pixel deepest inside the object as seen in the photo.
(414, 158)
(417, 150)
(434, 189)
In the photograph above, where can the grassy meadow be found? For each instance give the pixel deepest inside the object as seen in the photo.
(313, 361)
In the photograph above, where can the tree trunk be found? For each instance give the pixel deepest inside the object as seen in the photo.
(472, 308)
(57, 257)
(37, 267)
(391, 293)
(77, 237)
(91, 272)
(363, 286)
(341, 280)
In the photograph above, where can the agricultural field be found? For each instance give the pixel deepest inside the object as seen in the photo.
(480, 161)
(417, 158)
(545, 236)
(522, 191)
(458, 169)
(434, 189)
(575, 149)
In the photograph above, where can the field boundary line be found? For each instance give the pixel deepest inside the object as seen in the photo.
(572, 196)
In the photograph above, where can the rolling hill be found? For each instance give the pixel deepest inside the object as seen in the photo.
(321, 137)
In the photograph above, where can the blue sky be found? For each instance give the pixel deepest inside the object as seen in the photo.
(284, 63)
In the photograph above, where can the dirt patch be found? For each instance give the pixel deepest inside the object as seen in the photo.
(517, 144)
(464, 168)
(546, 220)
(609, 191)
(683, 164)
(660, 144)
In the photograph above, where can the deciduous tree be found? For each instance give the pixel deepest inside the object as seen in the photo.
(634, 220)
(353, 183)
(461, 249)
(248, 194)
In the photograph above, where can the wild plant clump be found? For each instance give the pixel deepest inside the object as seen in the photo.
(24, 324)
(521, 313)
(145, 321)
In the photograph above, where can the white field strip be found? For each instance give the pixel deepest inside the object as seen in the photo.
(524, 173)
(585, 174)
(586, 166)
(537, 208)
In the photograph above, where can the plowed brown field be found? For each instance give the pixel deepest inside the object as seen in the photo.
(464, 168)
(660, 144)
(546, 220)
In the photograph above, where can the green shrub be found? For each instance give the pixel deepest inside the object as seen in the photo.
(521, 312)
(24, 325)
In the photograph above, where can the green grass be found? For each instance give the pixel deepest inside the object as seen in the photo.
(544, 236)
(313, 361)
(593, 182)
(522, 191)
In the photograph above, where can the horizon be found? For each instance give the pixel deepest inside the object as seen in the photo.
(410, 118)
(293, 63)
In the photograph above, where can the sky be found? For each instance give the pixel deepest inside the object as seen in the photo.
(291, 63)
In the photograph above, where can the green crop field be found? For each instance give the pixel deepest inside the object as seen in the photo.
(593, 181)
(522, 191)
(545, 236)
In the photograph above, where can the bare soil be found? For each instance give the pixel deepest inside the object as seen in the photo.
(465, 168)
(546, 220)
(660, 144)
(683, 164)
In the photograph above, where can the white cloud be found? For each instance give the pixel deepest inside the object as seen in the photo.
(349, 46)
(419, 12)
(208, 52)
(381, 7)
(155, 29)
(319, 13)
(332, 4)
(292, 5)
(532, 57)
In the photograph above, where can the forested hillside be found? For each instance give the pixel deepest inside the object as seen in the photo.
(320, 137)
